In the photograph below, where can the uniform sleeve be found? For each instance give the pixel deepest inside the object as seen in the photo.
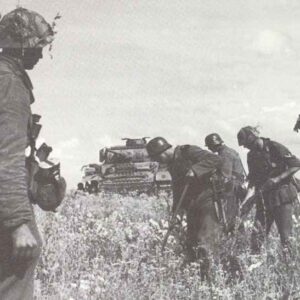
(15, 208)
(284, 154)
(203, 162)
(238, 168)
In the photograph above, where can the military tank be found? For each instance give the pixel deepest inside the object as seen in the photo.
(90, 179)
(126, 168)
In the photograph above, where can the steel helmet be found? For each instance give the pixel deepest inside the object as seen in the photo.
(247, 135)
(213, 140)
(157, 146)
(22, 28)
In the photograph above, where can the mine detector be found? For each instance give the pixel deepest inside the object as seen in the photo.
(126, 168)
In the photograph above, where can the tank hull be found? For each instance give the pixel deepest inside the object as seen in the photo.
(126, 169)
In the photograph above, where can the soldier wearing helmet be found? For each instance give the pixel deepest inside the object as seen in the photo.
(271, 168)
(182, 161)
(196, 166)
(233, 172)
(23, 34)
(232, 165)
(297, 125)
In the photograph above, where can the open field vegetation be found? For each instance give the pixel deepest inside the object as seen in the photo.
(109, 247)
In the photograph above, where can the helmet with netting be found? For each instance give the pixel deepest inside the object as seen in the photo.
(22, 28)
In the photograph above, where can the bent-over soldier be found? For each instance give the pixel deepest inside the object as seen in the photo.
(233, 172)
(189, 164)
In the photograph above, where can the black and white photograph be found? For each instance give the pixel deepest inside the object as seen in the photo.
(149, 150)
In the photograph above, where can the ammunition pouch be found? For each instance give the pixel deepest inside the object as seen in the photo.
(284, 194)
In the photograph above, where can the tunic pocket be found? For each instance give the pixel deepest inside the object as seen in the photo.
(287, 193)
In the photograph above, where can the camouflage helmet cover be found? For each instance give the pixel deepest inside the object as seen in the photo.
(157, 146)
(247, 135)
(22, 28)
(213, 139)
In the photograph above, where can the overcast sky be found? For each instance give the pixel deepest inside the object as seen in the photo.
(179, 69)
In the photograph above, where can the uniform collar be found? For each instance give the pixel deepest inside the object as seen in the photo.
(222, 148)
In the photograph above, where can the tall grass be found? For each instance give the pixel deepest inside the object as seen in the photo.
(109, 247)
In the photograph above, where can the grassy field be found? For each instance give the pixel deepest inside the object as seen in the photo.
(109, 247)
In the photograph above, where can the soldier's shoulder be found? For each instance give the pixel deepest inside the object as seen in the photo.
(7, 73)
(190, 150)
(278, 147)
(183, 149)
(5, 67)
(227, 151)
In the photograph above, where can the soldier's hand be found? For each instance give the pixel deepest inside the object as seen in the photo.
(270, 184)
(24, 243)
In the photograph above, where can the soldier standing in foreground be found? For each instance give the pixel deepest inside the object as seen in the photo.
(271, 169)
(197, 168)
(233, 172)
(23, 34)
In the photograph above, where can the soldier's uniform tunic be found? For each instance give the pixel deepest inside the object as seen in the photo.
(232, 167)
(16, 281)
(202, 224)
(234, 175)
(276, 204)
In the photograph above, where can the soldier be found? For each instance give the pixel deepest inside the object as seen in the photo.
(197, 167)
(23, 34)
(233, 172)
(297, 125)
(271, 168)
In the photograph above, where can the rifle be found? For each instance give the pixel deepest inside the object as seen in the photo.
(173, 219)
(218, 204)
